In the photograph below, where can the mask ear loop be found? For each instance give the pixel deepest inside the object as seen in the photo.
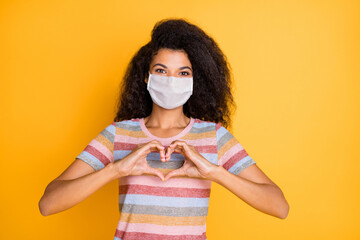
(148, 83)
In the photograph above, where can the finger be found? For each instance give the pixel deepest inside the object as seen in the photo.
(186, 150)
(156, 172)
(161, 150)
(156, 146)
(178, 145)
(169, 151)
(176, 172)
(175, 146)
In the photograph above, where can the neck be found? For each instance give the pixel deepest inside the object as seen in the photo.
(166, 118)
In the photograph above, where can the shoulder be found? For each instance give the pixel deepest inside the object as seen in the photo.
(132, 121)
(214, 125)
(209, 123)
(203, 125)
(124, 126)
(204, 122)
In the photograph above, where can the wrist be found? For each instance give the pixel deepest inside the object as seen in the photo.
(215, 173)
(114, 171)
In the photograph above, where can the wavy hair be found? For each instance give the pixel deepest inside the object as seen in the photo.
(211, 100)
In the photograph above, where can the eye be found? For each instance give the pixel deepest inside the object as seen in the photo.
(159, 69)
(185, 74)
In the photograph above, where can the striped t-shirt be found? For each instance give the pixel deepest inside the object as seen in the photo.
(177, 208)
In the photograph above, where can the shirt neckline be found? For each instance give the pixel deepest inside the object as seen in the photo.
(168, 139)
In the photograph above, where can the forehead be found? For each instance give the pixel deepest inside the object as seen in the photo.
(171, 57)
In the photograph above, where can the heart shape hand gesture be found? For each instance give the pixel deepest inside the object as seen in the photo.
(194, 165)
(135, 162)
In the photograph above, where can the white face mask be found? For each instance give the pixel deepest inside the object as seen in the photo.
(169, 92)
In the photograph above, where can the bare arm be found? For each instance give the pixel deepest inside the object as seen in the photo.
(74, 185)
(80, 180)
(255, 188)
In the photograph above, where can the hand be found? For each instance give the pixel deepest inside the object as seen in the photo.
(135, 162)
(195, 165)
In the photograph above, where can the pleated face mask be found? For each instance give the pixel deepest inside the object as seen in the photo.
(169, 92)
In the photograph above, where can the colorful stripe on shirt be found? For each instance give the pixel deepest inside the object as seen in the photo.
(175, 209)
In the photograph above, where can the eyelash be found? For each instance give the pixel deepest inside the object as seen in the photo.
(181, 72)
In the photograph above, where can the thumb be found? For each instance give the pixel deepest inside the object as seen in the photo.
(176, 172)
(156, 172)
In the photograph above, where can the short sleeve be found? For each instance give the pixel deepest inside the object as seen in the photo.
(100, 151)
(231, 154)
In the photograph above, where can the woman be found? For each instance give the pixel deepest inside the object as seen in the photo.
(168, 142)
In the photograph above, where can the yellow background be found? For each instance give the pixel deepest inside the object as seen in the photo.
(296, 70)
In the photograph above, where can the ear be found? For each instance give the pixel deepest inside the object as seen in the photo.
(146, 78)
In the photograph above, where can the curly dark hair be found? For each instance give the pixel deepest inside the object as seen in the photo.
(211, 100)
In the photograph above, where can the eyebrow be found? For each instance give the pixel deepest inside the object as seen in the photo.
(181, 68)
